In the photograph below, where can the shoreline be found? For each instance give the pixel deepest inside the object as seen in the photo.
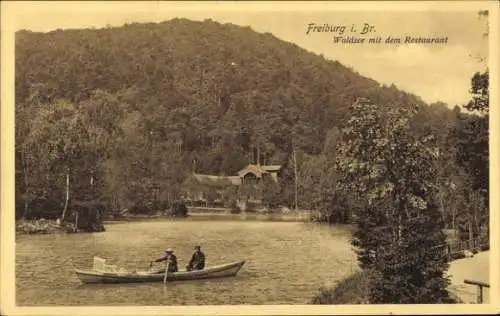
(46, 227)
(39, 227)
(473, 268)
(214, 216)
(206, 213)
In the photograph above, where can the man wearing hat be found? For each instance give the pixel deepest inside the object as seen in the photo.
(197, 261)
(169, 257)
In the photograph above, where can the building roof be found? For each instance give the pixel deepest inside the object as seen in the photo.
(271, 168)
(216, 180)
(213, 180)
(258, 170)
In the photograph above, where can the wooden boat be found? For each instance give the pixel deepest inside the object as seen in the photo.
(121, 276)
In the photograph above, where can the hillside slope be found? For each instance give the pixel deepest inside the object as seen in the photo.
(149, 103)
(217, 73)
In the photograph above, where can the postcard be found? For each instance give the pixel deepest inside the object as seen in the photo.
(257, 158)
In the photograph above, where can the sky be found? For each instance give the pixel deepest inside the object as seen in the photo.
(435, 72)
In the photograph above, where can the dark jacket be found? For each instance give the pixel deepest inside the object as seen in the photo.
(173, 262)
(197, 261)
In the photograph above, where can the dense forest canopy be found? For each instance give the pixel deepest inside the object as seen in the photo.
(124, 114)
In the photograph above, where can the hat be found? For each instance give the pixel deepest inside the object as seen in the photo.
(197, 247)
(169, 250)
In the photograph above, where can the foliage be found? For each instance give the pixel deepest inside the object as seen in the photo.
(135, 112)
(480, 100)
(472, 138)
(178, 210)
(271, 192)
(352, 290)
(87, 216)
(473, 152)
(400, 228)
(230, 197)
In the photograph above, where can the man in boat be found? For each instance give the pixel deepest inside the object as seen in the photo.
(197, 261)
(170, 258)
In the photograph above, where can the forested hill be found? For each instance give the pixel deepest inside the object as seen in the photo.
(220, 75)
(152, 102)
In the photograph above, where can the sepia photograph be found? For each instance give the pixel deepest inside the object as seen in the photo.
(224, 154)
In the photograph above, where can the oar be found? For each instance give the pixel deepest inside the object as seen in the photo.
(166, 272)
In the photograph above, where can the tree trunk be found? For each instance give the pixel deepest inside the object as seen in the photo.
(453, 217)
(471, 235)
(66, 202)
(443, 216)
(77, 215)
(400, 228)
(26, 208)
(26, 190)
(295, 175)
(478, 228)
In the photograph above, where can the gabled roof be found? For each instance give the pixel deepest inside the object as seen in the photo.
(255, 169)
(258, 170)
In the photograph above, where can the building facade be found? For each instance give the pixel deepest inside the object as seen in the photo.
(227, 191)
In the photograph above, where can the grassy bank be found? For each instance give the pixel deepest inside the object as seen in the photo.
(355, 290)
(351, 290)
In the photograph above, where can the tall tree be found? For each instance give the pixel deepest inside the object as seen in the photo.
(472, 137)
(400, 228)
(271, 192)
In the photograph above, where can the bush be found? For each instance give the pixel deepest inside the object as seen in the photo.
(230, 197)
(457, 255)
(271, 195)
(40, 208)
(90, 214)
(352, 290)
(141, 209)
(356, 289)
(178, 209)
(235, 210)
(252, 207)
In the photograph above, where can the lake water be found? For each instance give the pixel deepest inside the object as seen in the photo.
(286, 262)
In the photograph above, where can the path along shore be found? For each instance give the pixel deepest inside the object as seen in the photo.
(476, 268)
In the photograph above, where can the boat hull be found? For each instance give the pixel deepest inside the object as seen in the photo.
(221, 271)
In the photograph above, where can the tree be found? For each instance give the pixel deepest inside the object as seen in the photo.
(322, 185)
(472, 137)
(473, 131)
(230, 197)
(271, 192)
(480, 93)
(30, 180)
(166, 101)
(59, 134)
(399, 231)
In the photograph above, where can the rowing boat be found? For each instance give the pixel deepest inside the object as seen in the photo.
(122, 276)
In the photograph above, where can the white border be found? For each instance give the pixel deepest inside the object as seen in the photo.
(7, 302)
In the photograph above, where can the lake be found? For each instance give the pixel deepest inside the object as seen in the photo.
(286, 262)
